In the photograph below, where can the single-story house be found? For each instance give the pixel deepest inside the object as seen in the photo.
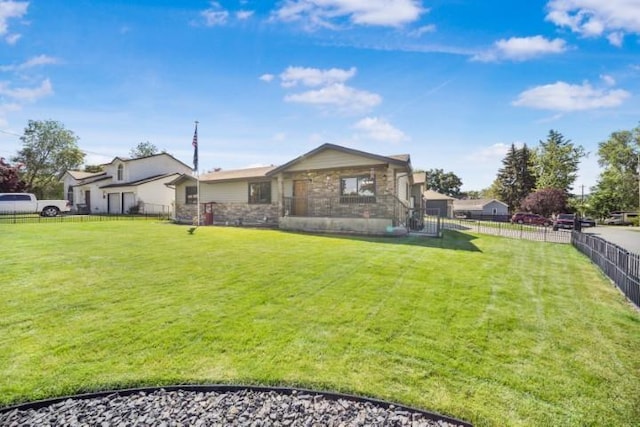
(125, 185)
(329, 189)
(480, 208)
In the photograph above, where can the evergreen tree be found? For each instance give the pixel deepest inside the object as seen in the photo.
(515, 179)
(556, 162)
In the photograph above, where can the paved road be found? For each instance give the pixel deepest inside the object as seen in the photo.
(625, 237)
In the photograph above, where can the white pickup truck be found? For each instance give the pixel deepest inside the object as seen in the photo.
(12, 203)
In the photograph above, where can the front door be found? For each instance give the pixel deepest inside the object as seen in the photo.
(87, 200)
(300, 197)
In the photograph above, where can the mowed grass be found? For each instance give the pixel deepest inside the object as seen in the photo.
(499, 332)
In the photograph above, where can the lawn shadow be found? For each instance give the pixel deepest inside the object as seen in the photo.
(451, 240)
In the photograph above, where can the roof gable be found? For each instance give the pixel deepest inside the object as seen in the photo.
(118, 159)
(348, 156)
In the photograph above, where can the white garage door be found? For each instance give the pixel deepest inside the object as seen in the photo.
(129, 201)
(114, 203)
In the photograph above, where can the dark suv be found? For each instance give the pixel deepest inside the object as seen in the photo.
(530, 218)
(565, 221)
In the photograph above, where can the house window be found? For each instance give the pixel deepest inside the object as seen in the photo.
(70, 195)
(259, 192)
(191, 197)
(120, 172)
(358, 189)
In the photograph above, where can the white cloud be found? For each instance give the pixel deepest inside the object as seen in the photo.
(418, 32)
(608, 80)
(215, 17)
(345, 98)
(380, 130)
(325, 13)
(267, 77)
(314, 77)
(521, 49)
(12, 39)
(561, 96)
(495, 152)
(8, 10)
(595, 18)
(30, 63)
(244, 14)
(27, 94)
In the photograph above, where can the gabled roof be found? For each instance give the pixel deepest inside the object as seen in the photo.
(227, 175)
(475, 204)
(78, 175)
(237, 174)
(140, 181)
(88, 177)
(400, 160)
(434, 195)
(127, 159)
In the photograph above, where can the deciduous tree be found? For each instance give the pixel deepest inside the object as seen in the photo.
(49, 150)
(143, 149)
(617, 186)
(443, 182)
(545, 202)
(10, 181)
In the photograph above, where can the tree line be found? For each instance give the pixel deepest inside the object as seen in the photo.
(48, 151)
(536, 179)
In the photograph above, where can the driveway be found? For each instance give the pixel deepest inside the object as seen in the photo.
(625, 237)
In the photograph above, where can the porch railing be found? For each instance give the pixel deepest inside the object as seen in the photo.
(384, 206)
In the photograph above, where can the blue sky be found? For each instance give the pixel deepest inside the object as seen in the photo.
(451, 82)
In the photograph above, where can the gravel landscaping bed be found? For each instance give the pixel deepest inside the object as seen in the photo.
(242, 407)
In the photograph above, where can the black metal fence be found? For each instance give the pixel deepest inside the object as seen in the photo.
(15, 218)
(620, 265)
(515, 231)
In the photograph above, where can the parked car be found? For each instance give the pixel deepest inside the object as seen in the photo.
(26, 203)
(587, 222)
(530, 218)
(621, 218)
(564, 221)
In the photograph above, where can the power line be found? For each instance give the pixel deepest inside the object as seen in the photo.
(9, 133)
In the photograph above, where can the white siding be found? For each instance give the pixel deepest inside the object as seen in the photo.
(137, 169)
(332, 159)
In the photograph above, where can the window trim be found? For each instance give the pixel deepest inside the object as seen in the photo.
(120, 172)
(358, 198)
(190, 198)
(263, 200)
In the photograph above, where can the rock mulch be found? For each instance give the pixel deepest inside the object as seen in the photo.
(236, 408)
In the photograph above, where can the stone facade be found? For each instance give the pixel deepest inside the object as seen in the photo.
(230, 214)
(325, 200)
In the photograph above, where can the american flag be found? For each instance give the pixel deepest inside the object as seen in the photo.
(195, 148)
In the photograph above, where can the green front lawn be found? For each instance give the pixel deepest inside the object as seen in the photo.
(494, 331)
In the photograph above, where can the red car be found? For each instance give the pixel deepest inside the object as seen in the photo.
(530, 218)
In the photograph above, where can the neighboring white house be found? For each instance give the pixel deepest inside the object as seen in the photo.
(475, 208)
(126, 185)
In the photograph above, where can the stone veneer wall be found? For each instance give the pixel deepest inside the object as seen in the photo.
(324, 193)
(245, 214)
(231, 214)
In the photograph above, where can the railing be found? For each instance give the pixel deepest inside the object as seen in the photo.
(385, 206)
(516, 231)
(620, 265)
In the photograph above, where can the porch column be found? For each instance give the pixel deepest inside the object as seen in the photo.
(280, 195)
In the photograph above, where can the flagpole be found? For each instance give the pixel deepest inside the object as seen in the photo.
(197, 171)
